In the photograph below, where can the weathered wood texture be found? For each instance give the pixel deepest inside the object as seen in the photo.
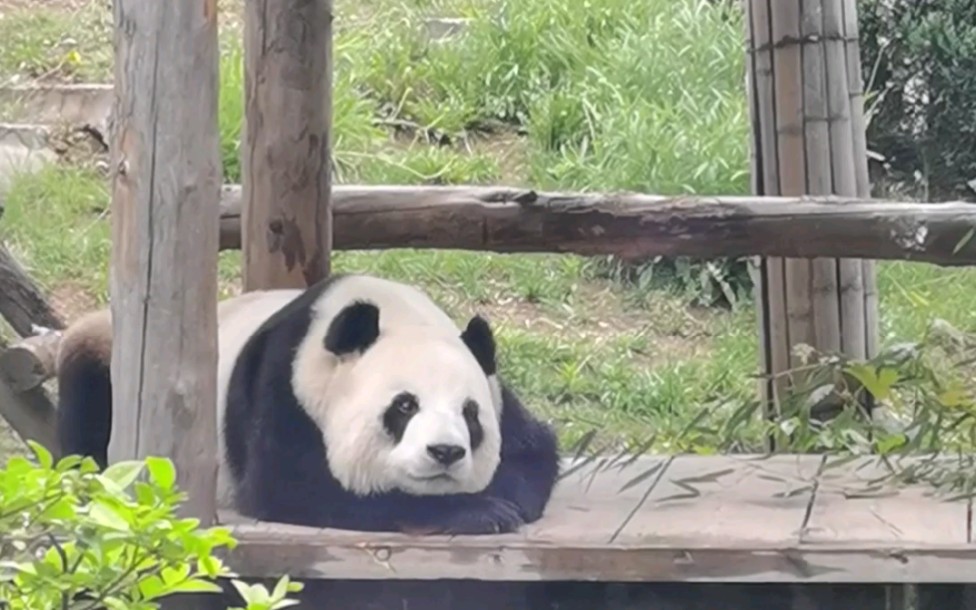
(808, 139)
(286, 161)
(28, 411)
(474, 595)
(30, 362)
(503, 219)
(163, 283)
(785, 518)
(22, 303)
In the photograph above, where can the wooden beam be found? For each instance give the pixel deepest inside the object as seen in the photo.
(22, 302)
(504, 219)
(30, 413)
(699, 518)
(165, 195)
(286, 161)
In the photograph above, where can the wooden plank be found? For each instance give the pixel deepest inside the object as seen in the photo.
(730, 501)
(737, 534)
(853, 506)
(602, 493)
(286, 161)
(165, 193)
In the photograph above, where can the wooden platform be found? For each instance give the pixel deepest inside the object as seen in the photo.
(718, 519)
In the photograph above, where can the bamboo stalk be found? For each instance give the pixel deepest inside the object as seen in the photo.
(788, 70)
(824, 294)
(850, 271)
(855, 87)
(770, 291)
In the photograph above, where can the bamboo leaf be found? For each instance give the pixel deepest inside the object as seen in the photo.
(642, 477)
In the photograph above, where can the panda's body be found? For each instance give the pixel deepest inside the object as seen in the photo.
(355, 404)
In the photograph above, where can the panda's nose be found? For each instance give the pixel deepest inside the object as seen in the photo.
(446, 454)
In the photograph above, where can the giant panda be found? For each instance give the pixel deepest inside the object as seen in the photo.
(355, 404)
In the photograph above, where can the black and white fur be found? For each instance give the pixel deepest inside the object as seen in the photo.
(355, 404)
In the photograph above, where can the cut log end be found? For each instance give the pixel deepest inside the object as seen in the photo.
(30, 362)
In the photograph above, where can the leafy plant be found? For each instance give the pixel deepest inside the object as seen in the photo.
(918, 62)
(922, 428)
(74, 538)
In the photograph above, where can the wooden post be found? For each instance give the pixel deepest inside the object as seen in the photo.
(165, 193)
(287, 216)
(808, 138)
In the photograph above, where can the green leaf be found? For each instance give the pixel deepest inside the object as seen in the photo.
(196, 585)
(252, 594)
(162, 471)
(888, 443)
(123, 473)
(152, 587)
(44, 457)
(965, 240)
(878, 383)
(104, 515)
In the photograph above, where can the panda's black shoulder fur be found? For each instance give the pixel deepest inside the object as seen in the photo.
(277, 456)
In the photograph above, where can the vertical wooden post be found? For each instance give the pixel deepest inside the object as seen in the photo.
(808, 138)
(286, 224)
(165, 198)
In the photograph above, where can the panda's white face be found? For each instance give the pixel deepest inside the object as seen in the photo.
(413, 411)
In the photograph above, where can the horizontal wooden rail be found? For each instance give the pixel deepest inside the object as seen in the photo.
(503, 219)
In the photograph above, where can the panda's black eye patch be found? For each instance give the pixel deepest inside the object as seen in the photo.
(475, 431)
(406, 403)
(399, 413)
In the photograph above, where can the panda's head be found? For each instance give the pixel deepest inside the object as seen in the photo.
(414, 408)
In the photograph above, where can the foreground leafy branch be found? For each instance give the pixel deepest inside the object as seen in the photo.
(74, 538)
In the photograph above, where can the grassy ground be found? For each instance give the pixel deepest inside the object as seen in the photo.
(646, 96)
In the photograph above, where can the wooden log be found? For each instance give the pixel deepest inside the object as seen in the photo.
(163, 282)
(30, 413)
(29, 363)
(22, 303)
(286, 161)
(504, 219)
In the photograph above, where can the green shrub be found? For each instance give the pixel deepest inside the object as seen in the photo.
(919, 64)
(71, 537)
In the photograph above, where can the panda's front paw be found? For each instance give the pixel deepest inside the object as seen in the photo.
(488, 515)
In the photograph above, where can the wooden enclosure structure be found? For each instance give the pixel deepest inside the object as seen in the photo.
(808, 138)
(782, 520)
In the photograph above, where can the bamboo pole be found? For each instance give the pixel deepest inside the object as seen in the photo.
(811, 138)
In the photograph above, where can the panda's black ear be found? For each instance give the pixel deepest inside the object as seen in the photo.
(480, 340)
(354, 329)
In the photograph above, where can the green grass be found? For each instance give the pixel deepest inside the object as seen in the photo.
(52, 45)
(646, 96)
